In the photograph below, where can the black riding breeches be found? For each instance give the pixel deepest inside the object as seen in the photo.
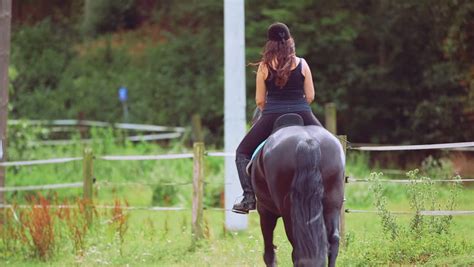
(262, 129)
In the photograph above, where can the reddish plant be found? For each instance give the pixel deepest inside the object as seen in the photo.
(119, 220)
(76, 221)
(40, 224)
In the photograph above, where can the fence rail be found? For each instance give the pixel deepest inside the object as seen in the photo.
(40, 187)
(423, 212)
(414, 147)
(407, 181)
(129, 208)
(135, 138)
(9, 206)
(148, 157)
(220, 154)
(39, 162)
(114, 184)
(125, 126)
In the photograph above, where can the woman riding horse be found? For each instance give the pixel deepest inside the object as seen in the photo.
(284, 85)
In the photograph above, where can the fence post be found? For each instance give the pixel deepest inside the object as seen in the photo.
(330, 114)
(87, 172)
(342, 221)
(198, 135)
(198, 187)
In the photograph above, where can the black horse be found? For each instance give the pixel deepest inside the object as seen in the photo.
(299, 175)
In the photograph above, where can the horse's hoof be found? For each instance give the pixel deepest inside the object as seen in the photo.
(271, 261)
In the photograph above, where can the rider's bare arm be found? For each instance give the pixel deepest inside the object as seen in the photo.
(308, 83)
(261, 91)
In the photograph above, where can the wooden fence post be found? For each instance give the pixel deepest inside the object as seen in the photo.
(87, 172)
(342, 221)
(330, 114)
(198, 188)
(198, 135)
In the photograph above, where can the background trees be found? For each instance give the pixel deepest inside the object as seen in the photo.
(399, 71)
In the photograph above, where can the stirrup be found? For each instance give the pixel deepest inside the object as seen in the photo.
(244, 207)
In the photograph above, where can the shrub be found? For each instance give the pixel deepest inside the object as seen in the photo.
(425, 236)
(40, 54)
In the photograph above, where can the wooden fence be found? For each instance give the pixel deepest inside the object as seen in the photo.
(198, 157)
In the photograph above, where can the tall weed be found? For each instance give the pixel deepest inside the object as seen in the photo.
(39, 222)
(76, 222)
(119, 222)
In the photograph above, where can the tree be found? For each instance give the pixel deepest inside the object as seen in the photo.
(382, 62)
(101, 16)
(5, 21)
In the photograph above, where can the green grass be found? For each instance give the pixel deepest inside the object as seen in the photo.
(164, 238)
(148, 242)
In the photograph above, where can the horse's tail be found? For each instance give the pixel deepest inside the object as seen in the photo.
(309, 231)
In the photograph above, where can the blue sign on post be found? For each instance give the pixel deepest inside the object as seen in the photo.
(123, 94)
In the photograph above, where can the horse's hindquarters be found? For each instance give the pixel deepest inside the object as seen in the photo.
(297, 164)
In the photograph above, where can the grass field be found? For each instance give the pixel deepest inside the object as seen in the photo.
(164, 238)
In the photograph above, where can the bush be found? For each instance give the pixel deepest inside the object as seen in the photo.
(425, 236)
(40, 55)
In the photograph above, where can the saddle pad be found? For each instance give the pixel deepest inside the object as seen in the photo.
(257, 150)
(254, 156)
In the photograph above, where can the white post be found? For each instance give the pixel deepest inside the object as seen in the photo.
(234, 104)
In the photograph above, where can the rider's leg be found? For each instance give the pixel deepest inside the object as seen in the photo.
(248, 202)
(257, 134)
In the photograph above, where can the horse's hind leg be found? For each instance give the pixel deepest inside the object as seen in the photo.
(332, 213)
(331, 219)
(268, 222)
(289, 234)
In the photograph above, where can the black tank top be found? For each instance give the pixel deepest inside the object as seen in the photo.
(290, 97)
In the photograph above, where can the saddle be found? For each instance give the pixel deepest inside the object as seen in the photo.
(285, 120)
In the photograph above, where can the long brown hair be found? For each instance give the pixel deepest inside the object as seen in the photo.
(279, 56)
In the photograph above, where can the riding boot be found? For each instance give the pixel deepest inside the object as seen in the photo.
(249, 202)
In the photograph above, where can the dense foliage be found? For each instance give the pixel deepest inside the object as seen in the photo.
(398, 70)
